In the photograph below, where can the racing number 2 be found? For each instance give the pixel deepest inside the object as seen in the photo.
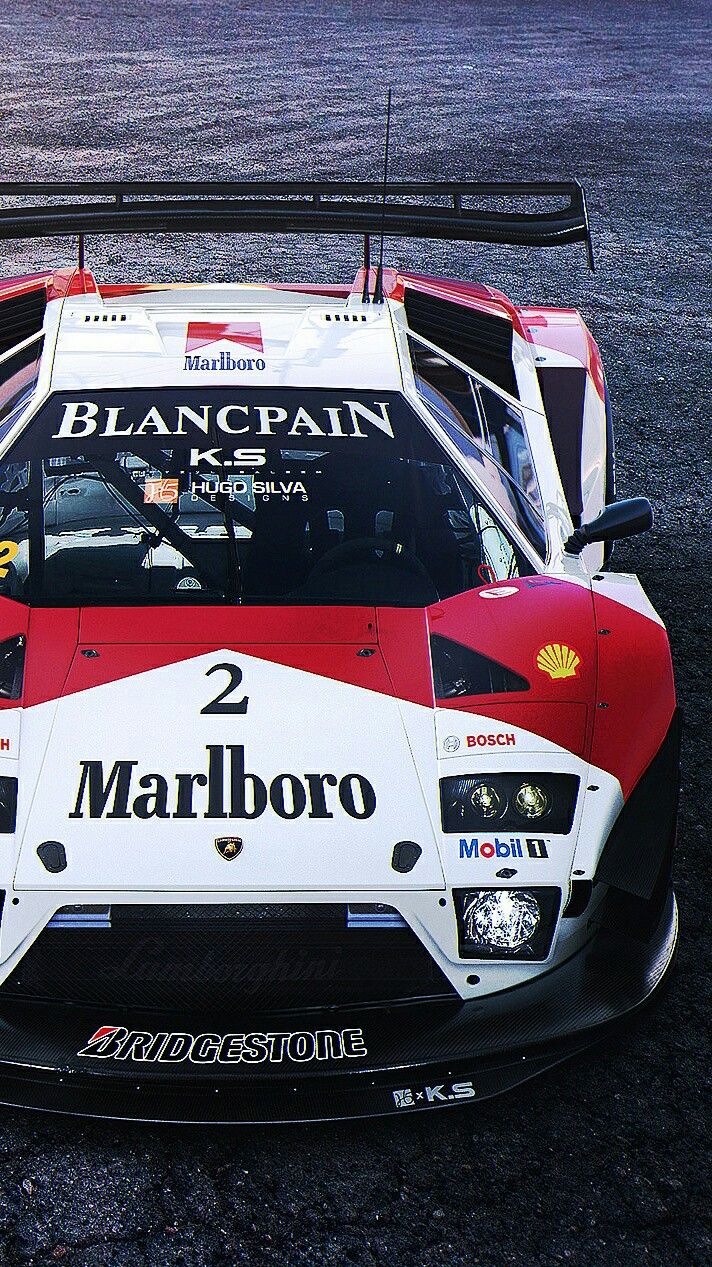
(220, 704)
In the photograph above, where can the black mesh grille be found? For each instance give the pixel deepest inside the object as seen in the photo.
(253, 958)
(482, 342)
(20, 317)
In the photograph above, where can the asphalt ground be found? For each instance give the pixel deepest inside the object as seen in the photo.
(602, 1162)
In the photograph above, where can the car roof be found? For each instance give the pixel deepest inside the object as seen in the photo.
(223, 335)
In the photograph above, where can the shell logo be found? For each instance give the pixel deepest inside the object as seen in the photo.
(558, 660)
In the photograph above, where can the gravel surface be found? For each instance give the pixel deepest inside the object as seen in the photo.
(601, 1162)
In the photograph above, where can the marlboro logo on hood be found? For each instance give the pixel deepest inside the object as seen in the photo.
(201, 334)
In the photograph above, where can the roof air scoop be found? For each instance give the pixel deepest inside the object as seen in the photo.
(479, 340)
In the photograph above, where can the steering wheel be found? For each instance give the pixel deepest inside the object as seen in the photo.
(369, 550)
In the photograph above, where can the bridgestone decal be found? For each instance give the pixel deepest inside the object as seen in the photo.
(113, 1042)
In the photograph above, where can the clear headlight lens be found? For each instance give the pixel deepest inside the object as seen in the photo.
(506, 923)
(532, 801)
(502, 918)
(486, 801)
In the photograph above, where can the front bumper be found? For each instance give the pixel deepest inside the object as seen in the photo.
(406, 1057)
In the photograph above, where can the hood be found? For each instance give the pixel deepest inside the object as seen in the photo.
(270, 749)
(262, 749)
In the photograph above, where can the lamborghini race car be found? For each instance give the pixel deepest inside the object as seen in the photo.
(338, 775)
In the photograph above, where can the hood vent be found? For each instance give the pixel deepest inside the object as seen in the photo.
(105, 318)
(345, 316)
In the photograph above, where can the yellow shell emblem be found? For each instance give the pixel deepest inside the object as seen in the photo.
(558, 660)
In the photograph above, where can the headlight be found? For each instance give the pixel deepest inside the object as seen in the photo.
(472, 802)
(506, 923)
(486, 801)
(532, 801)
(504, 918)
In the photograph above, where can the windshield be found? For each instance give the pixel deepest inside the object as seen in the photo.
(276, 496)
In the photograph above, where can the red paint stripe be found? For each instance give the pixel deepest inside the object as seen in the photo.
(201, 334)
(628, 669)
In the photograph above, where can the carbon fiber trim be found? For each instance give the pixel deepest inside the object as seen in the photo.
(411, 1057)
(259, 959)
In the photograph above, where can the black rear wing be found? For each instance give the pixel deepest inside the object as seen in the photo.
(451, 210)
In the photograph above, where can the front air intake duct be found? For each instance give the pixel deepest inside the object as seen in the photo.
(8, 804)
(12, 667)
(460, 671)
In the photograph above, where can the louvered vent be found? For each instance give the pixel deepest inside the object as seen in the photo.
(21, 316)
(482, 342)
(345, 316)
(104, 318)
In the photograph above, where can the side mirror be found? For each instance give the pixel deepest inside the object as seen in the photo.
(620, 519)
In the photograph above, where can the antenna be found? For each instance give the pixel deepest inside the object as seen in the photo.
(365, 297)
(378, 288)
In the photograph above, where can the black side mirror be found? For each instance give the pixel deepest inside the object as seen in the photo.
(620, 519)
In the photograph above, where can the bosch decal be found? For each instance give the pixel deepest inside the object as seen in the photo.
(492, 741)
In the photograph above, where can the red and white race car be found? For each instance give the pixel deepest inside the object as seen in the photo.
(337, 775)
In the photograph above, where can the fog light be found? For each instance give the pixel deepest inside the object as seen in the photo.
(506, 923)
(501, 918)
(531, 801)
(486, 800)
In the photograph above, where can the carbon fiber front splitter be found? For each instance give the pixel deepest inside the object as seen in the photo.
(329, 1064)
